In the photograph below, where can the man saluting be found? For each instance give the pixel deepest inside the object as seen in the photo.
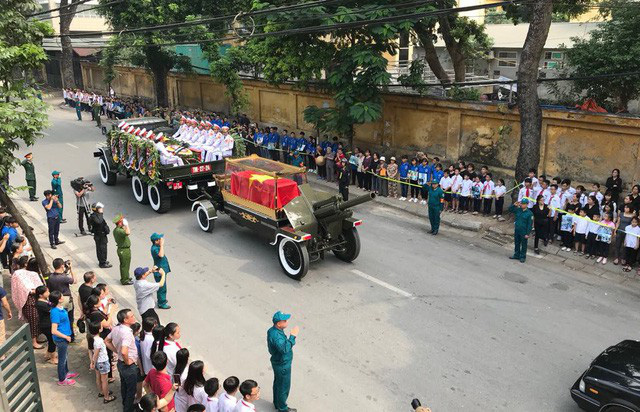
(281, 350)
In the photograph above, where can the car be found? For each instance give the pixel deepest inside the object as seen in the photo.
(612, 382)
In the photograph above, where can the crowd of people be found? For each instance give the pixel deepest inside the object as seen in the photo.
(110, 105)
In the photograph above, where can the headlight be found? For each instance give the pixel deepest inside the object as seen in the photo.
(581, 386)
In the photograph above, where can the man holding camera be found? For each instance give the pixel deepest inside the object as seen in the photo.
(145, 290)
(123, 243)
(100, 230)
(82, 200)
(52, 206)
(60, 280)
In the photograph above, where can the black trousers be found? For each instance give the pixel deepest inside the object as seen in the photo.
(151, 313)
(5, 257)
(82, 215)
(128, 385)
(476, 204)
(592, 244)
(630, 255)
(603, 249)
(567, 239)
(499, 205)
(486, 204)
(542, 229)
(344, 191)
(54, 229)
(101, 248)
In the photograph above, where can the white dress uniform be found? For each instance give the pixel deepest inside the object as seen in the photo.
(181, 130)
(226, 402)
(244, 406)
(214, 152)
(166, 157)
(227, 145)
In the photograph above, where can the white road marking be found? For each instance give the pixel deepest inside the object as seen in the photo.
(72, 145)
(382, 283)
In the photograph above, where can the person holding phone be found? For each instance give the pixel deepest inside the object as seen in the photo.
(145, 290)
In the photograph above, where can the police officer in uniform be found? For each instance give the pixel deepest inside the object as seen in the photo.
(344, 177)
(281, 350)
(30, 175)
(100, 230)
(436, 197)
(123, 244)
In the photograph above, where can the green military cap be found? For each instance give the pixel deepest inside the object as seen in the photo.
(278, 316)
(524, 201)
(55, 172)
(156, 236)
(118, 218)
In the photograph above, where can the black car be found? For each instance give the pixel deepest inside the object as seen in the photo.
(612, 382)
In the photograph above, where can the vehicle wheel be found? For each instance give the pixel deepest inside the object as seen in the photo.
(139, 189)
(107, 177)
(351, 249)
(204, 222)
(617, 408)
(159, 199)
(293, 257)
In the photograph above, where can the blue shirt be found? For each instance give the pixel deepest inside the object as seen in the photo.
(3, 293)
(403, 169)
(437, 175)
(54, 212)
(161, 262)
(424, 173)
(285, 142)
(13, 234)
(60, 317)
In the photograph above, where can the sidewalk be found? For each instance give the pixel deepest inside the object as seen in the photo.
(498, 233)
(83, 396)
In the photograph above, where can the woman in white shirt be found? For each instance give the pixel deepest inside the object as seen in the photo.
(146, 341)
(192, 389)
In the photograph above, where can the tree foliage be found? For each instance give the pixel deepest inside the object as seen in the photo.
(611, 48)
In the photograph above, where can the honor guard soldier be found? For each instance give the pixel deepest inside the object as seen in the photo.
(281, 350)
(30, 175)
(100, 230)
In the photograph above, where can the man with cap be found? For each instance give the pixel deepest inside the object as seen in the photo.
(100, 230)
(344, 178)
(160, 260)
(145, 290)
(30, 175)
(522, 227)
(123, 247)
(281, 350)
(52, 206)
(436, 199)
(56, 188)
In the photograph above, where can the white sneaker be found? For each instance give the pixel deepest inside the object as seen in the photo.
(599, 259)
(402, 198)
(415, 200)
(495, 216)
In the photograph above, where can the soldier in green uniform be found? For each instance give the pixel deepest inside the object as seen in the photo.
(436, 198)
(161, 261)
(523, 224)
(281, 350)
(30, 175)
(96, 107)
(56, 188)
(123, 244)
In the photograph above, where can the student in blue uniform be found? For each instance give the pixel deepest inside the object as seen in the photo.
(272, 145)
(284, 146)
(403, 171)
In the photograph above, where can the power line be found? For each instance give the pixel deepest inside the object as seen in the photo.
(59, 8)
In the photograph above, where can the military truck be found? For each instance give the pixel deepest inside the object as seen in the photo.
(275, 200)
(152, 182)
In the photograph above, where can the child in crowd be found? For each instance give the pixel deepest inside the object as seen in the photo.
(631, 244)
(487, 193)
(403, 171)
(100, 362)
(580, 225)
(211, 387)
(595, 191)
(227, 400)
(499, 191)
(544, 191)
(438, 173)
(605, 233)
(476, 194)
(445, 184)
(456, 186)
(413, 180)
(465, 194)
(528, 192)
(592, 234)
(535, 183)
(566, 228)
(582, 197)
(423, 179)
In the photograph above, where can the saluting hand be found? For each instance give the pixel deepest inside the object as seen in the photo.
(295, 331)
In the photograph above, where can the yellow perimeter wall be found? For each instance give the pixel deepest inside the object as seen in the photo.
(581, 146)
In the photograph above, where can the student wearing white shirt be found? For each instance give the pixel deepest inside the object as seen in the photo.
(227, 400)
(465, 193)
(456, 183)
(535, 183)
(168, 343)
(487, 194)
(192, 389)
(596, 192)
(499, 191)
(631, 243)
(250, 393)
(528, 192)
(545, 191)
(592, 234)
(146, 341)
(211, 388)
(557, 201)
(445, 184)
(580, 227)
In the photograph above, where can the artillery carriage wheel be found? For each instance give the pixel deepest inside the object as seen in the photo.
(293, 257)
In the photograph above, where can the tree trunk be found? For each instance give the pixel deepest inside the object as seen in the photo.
(160, 85)
(66, 60)
(454, 49)
(35, 246)
(426, 38)
(528, 104)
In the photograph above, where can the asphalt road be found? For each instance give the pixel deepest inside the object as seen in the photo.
(449, 320)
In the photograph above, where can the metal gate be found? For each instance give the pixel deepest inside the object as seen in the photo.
(19, 388)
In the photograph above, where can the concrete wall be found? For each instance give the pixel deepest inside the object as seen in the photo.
(581, 146)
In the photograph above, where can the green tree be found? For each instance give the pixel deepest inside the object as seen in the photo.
(611, 48)
(22, 114)
(67, 13)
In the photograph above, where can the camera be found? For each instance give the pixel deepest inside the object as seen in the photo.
(67, 264)
(81, 183)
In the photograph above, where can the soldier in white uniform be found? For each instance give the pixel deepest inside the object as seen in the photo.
(203, 135)
(227, 143)
(213, 151)
(166, 157)
(250, 393)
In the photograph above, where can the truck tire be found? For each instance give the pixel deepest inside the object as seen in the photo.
(159, 198)
(108, 178)
(351, 249)
(139, 189)
(204, 222)
(293, 257)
